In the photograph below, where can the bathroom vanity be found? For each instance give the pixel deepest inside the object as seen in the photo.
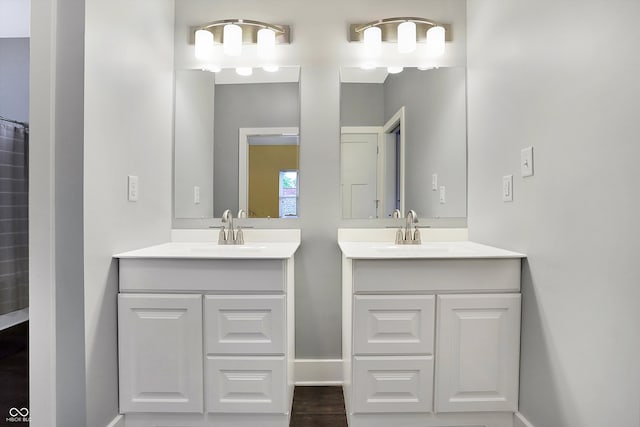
(431, 332)
(206, 332)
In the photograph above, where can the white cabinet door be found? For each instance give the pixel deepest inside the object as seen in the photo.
(477, 352)
(392, 384)
(244, 324)
(246, 384)
(160, 353)
(394, 324)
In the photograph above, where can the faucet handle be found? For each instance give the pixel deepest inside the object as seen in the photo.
(239, 237)
(222, 239)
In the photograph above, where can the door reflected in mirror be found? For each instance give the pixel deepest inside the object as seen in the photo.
(236, 143)
(403, 142)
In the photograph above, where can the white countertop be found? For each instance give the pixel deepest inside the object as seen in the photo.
(208, 250)
(426, 250)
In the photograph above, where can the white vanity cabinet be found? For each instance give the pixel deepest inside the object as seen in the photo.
(206, 341)
(431, 335)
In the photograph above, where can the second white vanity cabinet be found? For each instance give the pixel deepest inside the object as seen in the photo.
(207, 339)
(431, 334)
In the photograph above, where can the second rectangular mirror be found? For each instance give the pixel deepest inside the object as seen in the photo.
(236, 143)
(403, 142)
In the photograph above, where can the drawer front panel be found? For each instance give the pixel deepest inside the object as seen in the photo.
(245, 384)
(394, 324)
(436, 275)
(199, 275)
(244, 324)
(392, 384)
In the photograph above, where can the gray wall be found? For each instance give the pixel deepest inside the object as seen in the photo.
(128, 114)
(435, 137)
(193, 143)
(14, 78)
(563, 77)
(246, 106)
(361, 104)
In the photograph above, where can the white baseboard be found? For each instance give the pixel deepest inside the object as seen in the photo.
(10, 319)
(310, 372)
(520, 421)
(117, 421)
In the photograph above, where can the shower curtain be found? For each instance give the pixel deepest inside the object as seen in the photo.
(14, 213)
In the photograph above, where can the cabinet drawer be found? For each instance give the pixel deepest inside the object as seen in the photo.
(245, 384)
(394, 324)
(392, 384)
(244, 324)
(435, 275)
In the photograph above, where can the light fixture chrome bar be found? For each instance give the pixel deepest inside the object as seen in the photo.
(389, 29)
(250, 30)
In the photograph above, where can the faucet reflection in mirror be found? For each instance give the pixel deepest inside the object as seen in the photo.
(406, 32)
(232, 34)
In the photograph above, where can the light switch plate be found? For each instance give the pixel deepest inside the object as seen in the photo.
(507, 188)
(196, 194)
(526, 161)
(434, 182)
(132, 185)
(443, 198)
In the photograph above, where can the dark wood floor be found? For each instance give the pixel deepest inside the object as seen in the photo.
(318, 407)
(14, 369)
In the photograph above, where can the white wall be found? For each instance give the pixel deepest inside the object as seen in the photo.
(128, 109)
(319, 31)
(563, 77)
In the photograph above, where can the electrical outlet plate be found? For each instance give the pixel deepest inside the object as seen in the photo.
(507, 188)
(526, 161)
(434, 182)
(443, 198)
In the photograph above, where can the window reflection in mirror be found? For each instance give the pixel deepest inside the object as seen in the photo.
(211, 170)
(403, 142)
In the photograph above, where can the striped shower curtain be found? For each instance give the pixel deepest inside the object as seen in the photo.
(14, 226)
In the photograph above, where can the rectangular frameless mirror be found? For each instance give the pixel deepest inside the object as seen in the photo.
(236, 143)
(403, 142)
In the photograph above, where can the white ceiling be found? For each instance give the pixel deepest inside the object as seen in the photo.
(14, 18)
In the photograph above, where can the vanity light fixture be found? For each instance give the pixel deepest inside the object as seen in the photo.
(394, 69)
(233, 33)
(270, 68)
(405, 31)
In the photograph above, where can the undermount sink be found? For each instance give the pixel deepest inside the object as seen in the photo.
(212, 248)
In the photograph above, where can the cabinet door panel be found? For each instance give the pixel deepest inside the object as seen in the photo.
(394, 324)
(160, 353)
(478, 342)
(245, 384)
(237, 324)
(392, 384)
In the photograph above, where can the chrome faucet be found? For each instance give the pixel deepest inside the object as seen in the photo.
(231, 236)
(410, 237)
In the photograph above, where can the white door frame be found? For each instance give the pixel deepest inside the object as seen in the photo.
(380, 159)
(398, 119)
(243, 157)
